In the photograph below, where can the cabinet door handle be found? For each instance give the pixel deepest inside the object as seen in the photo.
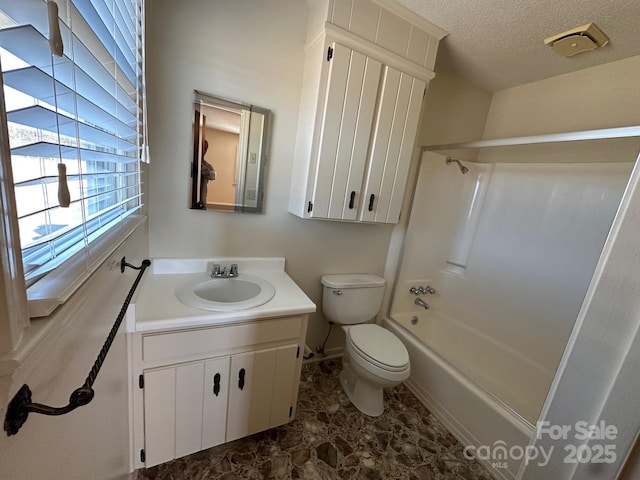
(241, 379)
(371, 199)
(216, 384)
(352, 201)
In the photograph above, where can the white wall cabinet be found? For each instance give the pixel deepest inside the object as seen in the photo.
(215, 396)
(359, 113)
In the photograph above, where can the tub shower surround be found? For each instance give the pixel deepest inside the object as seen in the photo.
(510, 252)
(330, 439)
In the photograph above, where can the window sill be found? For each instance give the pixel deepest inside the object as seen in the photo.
(46, 295)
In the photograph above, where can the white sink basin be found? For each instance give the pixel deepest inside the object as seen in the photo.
(225, 294)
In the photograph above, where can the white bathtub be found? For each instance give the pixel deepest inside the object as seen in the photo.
(448, 363)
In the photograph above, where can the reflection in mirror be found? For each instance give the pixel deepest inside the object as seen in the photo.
(229, 155)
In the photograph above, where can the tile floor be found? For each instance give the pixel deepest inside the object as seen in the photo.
(331, 439)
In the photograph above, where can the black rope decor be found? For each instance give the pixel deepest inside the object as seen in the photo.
(20, 406)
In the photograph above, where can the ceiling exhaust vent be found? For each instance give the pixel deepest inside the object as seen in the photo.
(578, 40)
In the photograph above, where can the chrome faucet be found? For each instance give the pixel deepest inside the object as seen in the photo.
(420, 302)
(222, 273)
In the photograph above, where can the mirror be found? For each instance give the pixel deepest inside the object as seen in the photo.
(229, 155)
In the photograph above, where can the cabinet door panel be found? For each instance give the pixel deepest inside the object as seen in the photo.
(284, 382)
(381, 204)
(189, 384)
(387, 174)
(239, 395)
(406, 152)
(382, 132)
(357, 118)
(264, 366)
(159, 415)
(330, 130)
(216, 396)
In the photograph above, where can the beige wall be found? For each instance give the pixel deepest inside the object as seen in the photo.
(91, 441)
(455, 111)
(598, 97)
(250, 51)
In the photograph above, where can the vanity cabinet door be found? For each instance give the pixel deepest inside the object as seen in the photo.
(261, 391)
(394, 134)
(191, 398)
(284, 385)
(173, 405)
(192, 406)
(216, 397)
(189, 401)
(349, 104)
(159, 415)
(250, 393)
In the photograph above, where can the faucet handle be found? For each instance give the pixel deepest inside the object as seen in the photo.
(233, 272)
(216, 270)
(422, 290)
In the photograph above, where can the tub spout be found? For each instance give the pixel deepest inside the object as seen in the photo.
(422, 303)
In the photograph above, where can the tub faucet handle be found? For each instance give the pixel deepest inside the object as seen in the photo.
(428, 289)
(422, 290)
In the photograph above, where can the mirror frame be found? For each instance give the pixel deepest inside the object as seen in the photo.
(202, 99)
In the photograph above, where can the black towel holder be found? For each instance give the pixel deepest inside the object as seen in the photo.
(21, 405)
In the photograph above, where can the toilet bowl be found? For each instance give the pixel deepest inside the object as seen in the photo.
(374, 357)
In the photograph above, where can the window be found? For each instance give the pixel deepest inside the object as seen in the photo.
(74, 120)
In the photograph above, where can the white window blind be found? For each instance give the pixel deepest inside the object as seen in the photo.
(84, 109)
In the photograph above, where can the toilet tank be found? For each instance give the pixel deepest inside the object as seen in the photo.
(351, 298)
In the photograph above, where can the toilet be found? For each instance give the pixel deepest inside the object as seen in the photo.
(375, 358)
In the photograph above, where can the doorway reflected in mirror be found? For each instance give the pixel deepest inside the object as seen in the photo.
(229, 155)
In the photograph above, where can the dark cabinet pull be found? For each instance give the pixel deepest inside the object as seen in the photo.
(352, 201)
(241, 379)
(216, 384)
(371, 199)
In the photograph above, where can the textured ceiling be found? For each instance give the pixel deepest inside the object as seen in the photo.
(498, 44)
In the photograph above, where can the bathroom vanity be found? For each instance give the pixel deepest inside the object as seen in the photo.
(200, 378)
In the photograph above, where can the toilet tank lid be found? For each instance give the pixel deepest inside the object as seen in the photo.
(352, 280)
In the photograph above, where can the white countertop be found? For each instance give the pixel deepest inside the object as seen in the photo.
(156, 307)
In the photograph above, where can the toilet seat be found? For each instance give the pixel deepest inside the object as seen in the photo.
(379, 347)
